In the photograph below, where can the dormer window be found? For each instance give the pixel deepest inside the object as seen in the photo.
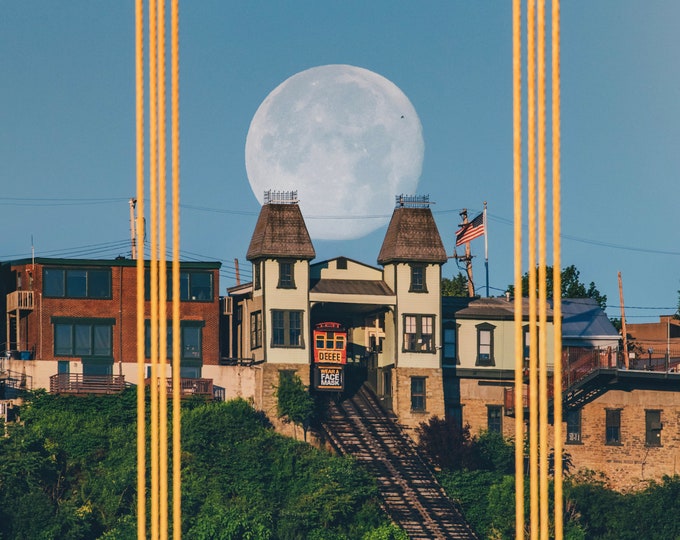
(286, 275)
(418, 282)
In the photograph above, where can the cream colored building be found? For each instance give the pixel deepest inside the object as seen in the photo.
(392, 314)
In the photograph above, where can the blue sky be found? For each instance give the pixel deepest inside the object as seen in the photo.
(67, 145)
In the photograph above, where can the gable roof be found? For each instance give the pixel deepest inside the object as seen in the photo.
(351, 286)
(498, 308)
(280, 232)
(412, 236)
(582, 318)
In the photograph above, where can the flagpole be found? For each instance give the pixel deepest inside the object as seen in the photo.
(486, 251)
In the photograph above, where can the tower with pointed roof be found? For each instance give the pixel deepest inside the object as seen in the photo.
(277, 320)
(412, 255)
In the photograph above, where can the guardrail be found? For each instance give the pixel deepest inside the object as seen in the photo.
(78, 383)
(19, 300)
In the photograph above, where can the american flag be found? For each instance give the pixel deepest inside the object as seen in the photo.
(470, 231)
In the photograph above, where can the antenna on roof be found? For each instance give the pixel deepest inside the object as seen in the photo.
(133, 236)
(280, 197)
(412, 201)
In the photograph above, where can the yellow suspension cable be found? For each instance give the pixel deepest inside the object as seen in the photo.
(158, 301)
(517, 190)
(531, 207)
(176, 426)
(141, 420)
(537, 241)
(557, 266)
(542, 286)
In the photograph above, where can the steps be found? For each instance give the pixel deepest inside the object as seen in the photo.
(410, 493)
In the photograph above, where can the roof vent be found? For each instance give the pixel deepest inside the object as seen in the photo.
(412, 201)
(280, 197)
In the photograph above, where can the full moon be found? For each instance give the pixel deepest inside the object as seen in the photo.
(346, 139)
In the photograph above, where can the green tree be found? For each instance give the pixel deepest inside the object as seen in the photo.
(446, 444)
(571, 286)
(294, 402)
(457, 286)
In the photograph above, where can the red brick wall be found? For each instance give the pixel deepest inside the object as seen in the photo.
(121, 307)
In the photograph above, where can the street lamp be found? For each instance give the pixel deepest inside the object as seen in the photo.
(649, 365)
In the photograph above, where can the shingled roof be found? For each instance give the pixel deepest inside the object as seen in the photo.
(280, 232)
(412, 236)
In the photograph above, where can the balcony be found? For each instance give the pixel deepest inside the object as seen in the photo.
(22, 300)
(77, 383)
(588, 373)
(188, 387)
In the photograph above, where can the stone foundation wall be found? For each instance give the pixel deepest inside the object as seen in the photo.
(434, 396)
(632, 463)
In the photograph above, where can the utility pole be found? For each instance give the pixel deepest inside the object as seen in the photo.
(133, 235)
(467, 258)
(623, 323)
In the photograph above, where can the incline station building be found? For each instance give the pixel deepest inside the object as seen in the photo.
(391, 315)
(70, 327)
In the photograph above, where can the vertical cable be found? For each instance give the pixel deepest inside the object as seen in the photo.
(557, 267)
(176, 427)
(153, 196)
(542, 288)
(162, 281)
(158, 284)
(517, 190)
(141, 413)
(531, 206)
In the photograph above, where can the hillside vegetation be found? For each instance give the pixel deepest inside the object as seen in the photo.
(68, 471)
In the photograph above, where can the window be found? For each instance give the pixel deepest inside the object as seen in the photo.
(97, 366)
(418, 333)
(526, 337)
(257, 282)
(653, 427)
(494, 414)
(573, 418)
(485, 345)
(193, 286)
(287, 328)
(418, 283)
(341, 263)
(77, 283)
(417, 393)
(191, 340)
(83, 337)
(450, 344)
(613, 426)
(256, 330)
(286, 277)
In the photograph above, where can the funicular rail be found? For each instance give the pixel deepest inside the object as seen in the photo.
(409, 491)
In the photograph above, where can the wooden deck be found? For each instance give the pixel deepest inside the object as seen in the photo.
(77, 383)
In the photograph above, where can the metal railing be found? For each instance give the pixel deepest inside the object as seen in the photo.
(579, 362)
(188, 387)
(78, 383)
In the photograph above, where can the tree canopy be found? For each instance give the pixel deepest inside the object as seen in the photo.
(69, 471)
(571, 286)
(456, 286)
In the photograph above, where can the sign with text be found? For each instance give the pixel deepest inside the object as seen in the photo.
(329, 378)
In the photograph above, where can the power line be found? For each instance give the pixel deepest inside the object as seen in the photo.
(55, 201)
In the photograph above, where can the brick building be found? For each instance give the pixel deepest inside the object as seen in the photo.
(77, 318)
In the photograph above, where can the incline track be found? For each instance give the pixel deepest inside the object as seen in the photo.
(410, 493)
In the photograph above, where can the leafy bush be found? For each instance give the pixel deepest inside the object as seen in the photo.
(69, 472)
